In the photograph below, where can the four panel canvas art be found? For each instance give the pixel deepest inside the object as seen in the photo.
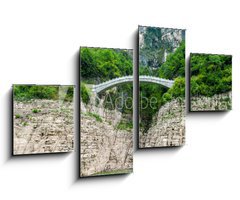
(43, 114)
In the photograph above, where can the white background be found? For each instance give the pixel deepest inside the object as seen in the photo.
(39, 42)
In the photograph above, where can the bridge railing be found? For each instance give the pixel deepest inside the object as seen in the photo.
(143, 78)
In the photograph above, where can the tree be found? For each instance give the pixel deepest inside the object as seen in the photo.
(210, 74)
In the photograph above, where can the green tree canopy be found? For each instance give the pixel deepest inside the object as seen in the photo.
(100, 64)
(210, 74)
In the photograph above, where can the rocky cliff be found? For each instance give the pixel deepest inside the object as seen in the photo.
(104, 148)
(218, 102)
(42, 126)
(169, 129)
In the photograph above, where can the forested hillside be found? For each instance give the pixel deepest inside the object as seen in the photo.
(210, 74)
(102, 64)
(99, 65)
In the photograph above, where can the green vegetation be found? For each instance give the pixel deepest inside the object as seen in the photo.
(29, 117)
(176, 91)
(174, 66)
(24, 123)
(210, 74)
(36, 110)
(28, 92)
(85, 93)
(69, 94)
(120, 171)
(153, 49)
(125, 125)
(17, 116)
(101, 64)
(94, 115)
(174, 69)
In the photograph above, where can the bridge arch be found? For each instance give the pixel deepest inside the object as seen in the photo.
(125, 79)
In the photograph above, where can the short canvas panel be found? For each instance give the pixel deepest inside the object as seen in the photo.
(106, 94)
(43, 119)
(162, 87)
(210, 82)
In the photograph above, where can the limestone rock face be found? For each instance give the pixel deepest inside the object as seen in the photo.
(218, 102)
(43, 126)
(169, 129)
(104, 148)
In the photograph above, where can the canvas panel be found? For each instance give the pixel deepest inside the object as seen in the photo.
(210, 82)
(43, 119)
(106, 132)
(162, 87)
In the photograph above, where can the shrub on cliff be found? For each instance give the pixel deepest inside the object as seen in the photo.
(85, 94)
(27, 92)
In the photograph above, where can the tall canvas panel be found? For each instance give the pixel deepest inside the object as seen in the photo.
(210, 82)
(106, 113)
(42, 119)
(161, 87)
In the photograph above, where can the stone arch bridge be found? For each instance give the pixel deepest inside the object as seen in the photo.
(125, 79)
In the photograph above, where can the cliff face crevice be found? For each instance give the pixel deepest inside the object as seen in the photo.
(169, 129)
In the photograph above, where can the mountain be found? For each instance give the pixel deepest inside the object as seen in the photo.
(156, 43)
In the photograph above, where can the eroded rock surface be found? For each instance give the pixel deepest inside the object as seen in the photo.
(43, 126)
(169, 129)
(104, 148)
(218, 102)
